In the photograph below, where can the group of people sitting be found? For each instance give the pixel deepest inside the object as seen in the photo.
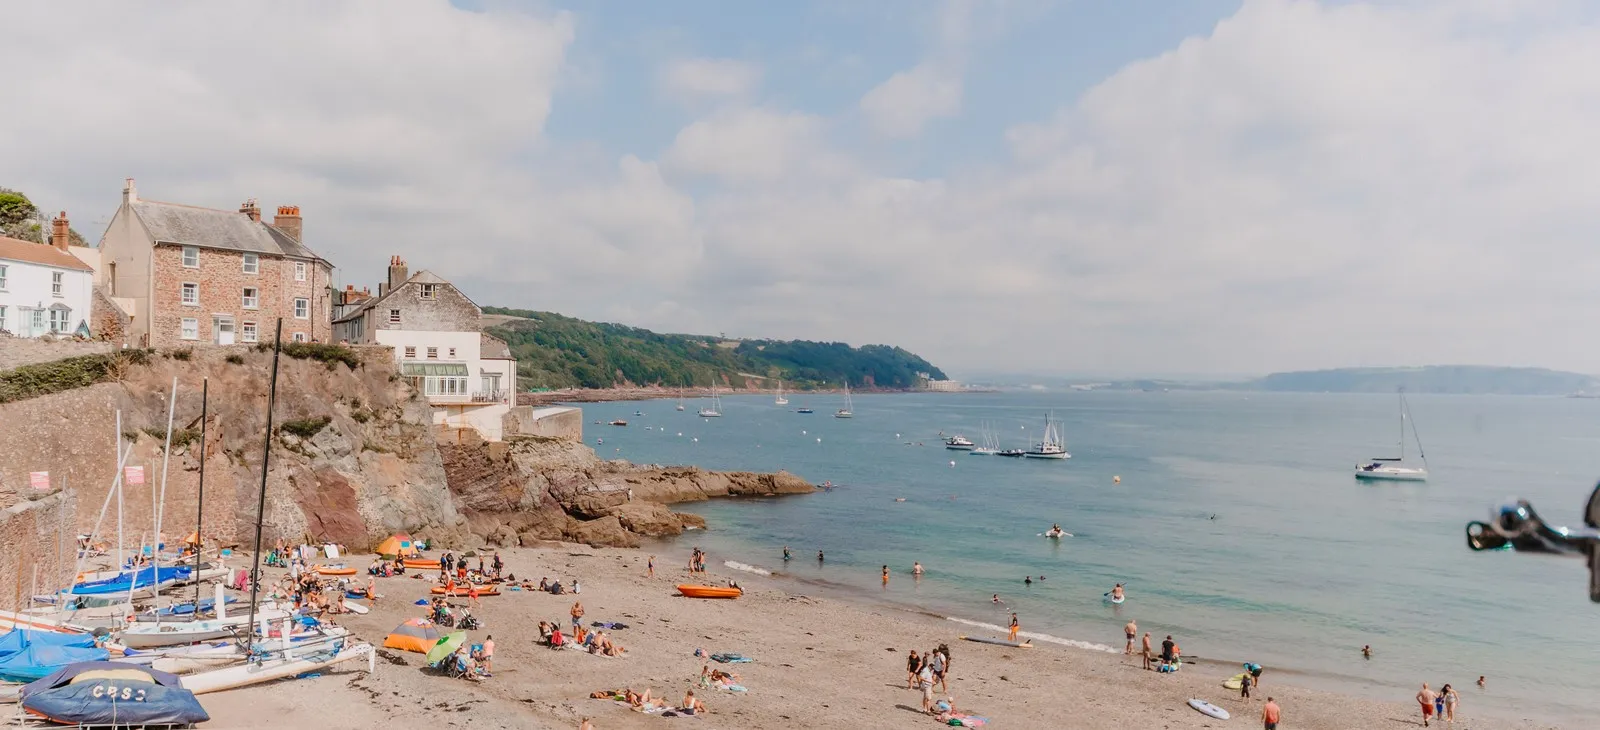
(310, 594)
(443, 613)
(645, 702)
(387, 568)
(594, 642)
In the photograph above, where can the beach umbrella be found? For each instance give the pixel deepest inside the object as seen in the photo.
(192, 539)
(418, 635)
(446, 646)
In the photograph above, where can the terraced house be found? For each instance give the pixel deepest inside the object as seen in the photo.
(186, 275)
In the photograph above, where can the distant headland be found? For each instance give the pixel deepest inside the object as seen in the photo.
(1459, 379)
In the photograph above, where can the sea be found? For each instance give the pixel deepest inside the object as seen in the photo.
(1232, 518)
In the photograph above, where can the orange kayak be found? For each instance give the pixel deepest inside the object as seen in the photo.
(462, 591)
(420, 563)
(330, 570)
(709, 591)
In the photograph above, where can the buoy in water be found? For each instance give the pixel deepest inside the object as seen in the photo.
(819, 439)
(680, 433)
(952, 465)
(697, 439)
(1116, 480)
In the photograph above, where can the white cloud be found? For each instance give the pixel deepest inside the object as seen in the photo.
(695, 78)
(902, 105)
(743, 144)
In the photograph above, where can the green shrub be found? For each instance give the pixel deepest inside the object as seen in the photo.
(329, 354)
(360, 416)
(32, 381)
(184, 354)
(235, 359)
(180, 437)
(306, 427)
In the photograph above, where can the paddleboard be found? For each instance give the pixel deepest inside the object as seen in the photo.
(1234, 683)
(1055, 537)
(1116, 600)
(999, 642)
(1207, 708)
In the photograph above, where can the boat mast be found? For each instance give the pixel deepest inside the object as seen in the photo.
(1402, 424)
(161, 503)
(200, 507)
(261, 496)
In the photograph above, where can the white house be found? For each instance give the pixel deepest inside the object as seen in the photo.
(44, 289)
(437, 334)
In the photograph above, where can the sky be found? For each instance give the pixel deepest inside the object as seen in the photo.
(1139, 187)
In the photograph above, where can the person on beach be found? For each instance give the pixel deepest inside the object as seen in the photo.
(1450, 698)
(886, 575)
(577, 614)
(1166, 649)
(585, 724)
(787, 556)
(913, 665)
(916, 568)
(650, 567)
(925, 683)
(372, 590)
(472, 595)
(1425, 697)
(1438, 705)
(1255, 672)
(1244, 687)
(1014, 627)
(944, 674)
(1271, 715)
(819, 556)
(1366, 651)
(692, 705)
(1148, 652)
(938, 666)
(488, 655)
(1131, 631)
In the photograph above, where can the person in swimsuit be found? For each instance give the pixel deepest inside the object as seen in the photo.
(1366, 651)
(1148, 653)
(1014, 627)
(786, 555)
(1425, 697)
(1480, 681)
(1448, 694)
(886, 575)
(1131, 631)
(916, 568)
(913, 663)
(1027, 580)
(1116, 592)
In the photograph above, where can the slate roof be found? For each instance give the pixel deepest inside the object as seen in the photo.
(189, 225)
(12, 249)
(421, 277)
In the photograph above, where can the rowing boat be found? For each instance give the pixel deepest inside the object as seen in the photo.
(692, 591)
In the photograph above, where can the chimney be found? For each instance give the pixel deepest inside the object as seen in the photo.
(249, 208)
(60, 231)
(130, 194)
(288, 221)
(397, 272)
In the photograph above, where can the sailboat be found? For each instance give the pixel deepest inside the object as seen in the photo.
(1393, 468)
(715, 409)
(680, 397)
(1050, 445)
(780, 400)
(848, 410)
(991, 443)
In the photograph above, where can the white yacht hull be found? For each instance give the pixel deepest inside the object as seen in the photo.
(1048, 455)
(1392, 474)
(148, 635)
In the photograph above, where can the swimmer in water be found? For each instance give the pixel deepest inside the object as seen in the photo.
(996, 599)
(916, 568)
(1027, 580)
(1116, 592)
(786, 555)
(886, 575)
(819, 556)
(1366, 651)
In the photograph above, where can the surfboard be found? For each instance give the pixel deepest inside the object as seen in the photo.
(1116, 600)
(999, 642)
(1207, 708)
(1055, 537)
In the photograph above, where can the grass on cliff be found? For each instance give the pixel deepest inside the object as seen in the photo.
(33, 381)
(306, 427)
(328, 354)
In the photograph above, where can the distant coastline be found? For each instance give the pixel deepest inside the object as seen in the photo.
(1437, 379)
(609, 395)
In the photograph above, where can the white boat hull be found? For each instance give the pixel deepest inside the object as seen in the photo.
(1392, 474)
(1048, 455)
(149, 635)
(244, 675)
(982, 452)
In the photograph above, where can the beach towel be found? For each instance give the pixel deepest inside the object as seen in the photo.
(731, 658)
(608, 625)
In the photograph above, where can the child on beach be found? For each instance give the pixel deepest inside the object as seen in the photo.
(1014, 628)
(913, 663)
(1244, 687)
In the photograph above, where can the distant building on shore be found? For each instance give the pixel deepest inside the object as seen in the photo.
(926, 382)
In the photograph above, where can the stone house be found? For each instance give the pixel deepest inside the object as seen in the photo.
(186, 275)
(44, 288)
(468, 376)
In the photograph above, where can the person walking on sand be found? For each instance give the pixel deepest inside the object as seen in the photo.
(913, 665)
(937, 664)
(1450, 697)
(1014, 627)
(925, 683)
(1131, 631)
(650, 567)
(577, 614)
(1148, 652)
(1271, 715)
(1425, 697)
(944, 674)
(1244, 687)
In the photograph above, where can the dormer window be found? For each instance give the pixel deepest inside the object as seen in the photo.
(429, 291)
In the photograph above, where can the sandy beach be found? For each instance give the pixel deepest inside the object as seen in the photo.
(818, 662)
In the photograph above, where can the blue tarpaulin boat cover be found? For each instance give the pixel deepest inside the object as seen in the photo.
(128, 581)
(15, 640)
(38, 659)
(109, 693)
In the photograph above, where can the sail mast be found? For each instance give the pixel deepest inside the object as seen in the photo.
(261, 496)
(200, 507)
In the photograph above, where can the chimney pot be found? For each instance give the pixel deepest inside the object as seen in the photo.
(288, 220)
(60, 232)
(130, 194)
(397, 272)
(249, 208)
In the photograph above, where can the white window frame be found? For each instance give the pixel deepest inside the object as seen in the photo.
(189, 328)
(411, 352)
(394, 316)
(428, 291)
(3, 269)
(191, 252)
(251, 298)
(66, 321)
(452, 353)
(247, 332)
(444, 385)
(302, 308)
(183, 291)
(56, 277)
(299, 271)
(433, 353)
(252, 263)
(2, 316)
(37, 320)
(298, 337)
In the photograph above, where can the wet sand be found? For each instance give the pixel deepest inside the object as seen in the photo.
(818, 662)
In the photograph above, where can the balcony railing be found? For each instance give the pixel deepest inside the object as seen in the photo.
(489, 396)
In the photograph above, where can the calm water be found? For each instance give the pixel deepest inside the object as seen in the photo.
(1300, 567)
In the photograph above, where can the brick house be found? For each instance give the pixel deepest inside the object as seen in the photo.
(186, 275)
(467, 375)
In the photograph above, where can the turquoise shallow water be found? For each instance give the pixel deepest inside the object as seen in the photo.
(1301, 566)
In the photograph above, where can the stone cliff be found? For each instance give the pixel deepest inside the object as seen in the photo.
(353, 460)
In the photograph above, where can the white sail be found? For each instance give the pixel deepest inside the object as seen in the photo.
(848, 411)
(780, 400)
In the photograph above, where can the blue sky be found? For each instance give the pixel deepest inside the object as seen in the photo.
(1000, 185)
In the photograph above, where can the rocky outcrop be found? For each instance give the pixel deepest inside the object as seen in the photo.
(547, 489)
